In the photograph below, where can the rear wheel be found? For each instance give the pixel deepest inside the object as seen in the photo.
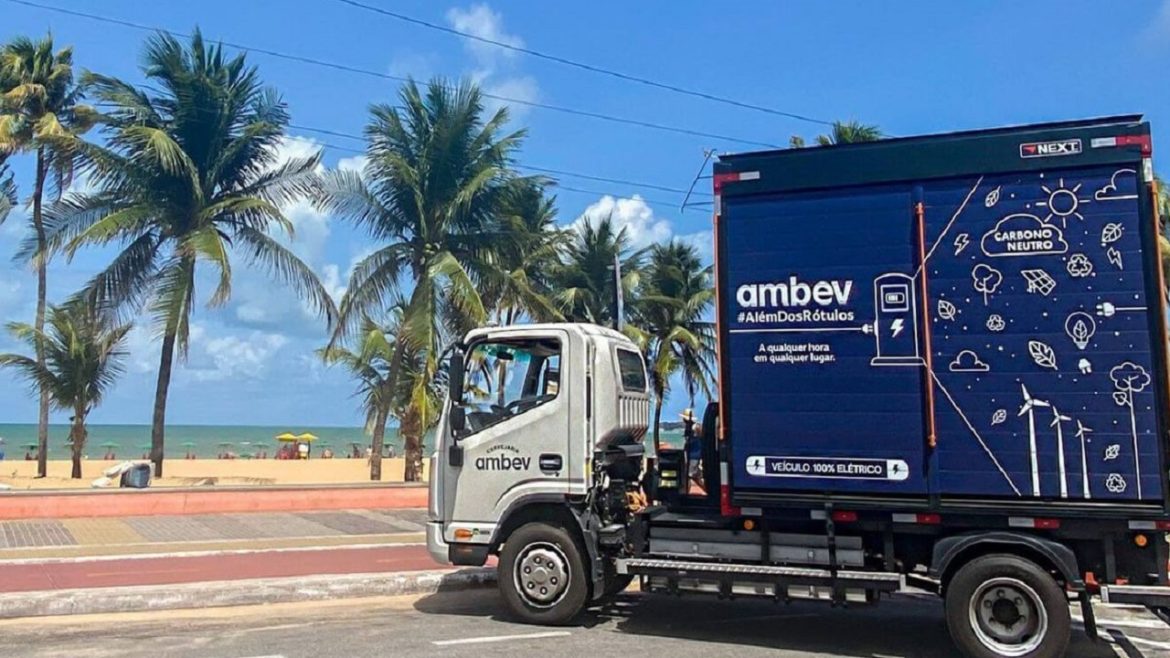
(1004, 606)
(542, 575)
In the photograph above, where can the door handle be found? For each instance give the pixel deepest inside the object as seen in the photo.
(550, 462)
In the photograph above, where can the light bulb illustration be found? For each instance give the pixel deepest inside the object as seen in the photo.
(1080, 327)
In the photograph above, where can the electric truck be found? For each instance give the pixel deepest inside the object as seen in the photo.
(941, 364)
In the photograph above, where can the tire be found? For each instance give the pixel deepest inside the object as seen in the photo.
(1003, 605)
(542, 575)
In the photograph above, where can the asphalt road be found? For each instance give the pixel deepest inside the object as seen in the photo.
(472, 623)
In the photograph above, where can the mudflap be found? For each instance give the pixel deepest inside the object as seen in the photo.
(590, 534)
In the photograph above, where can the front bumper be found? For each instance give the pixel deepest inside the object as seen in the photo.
(436, 546)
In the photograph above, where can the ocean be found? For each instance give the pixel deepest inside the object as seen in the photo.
(204, 440)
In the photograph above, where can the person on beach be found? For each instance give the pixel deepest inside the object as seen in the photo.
(693, 445)
(1, 448)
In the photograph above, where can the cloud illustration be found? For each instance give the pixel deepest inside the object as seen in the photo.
(968, 361)
(1110, 193)
(1022, 234)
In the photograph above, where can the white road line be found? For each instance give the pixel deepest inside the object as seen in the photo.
(500, 638)
(230, 551)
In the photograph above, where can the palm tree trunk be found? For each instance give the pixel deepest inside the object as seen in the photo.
(77, 438)
(158, 423)
(411, 429)
(379, 439)
(42, 284)
(657, 419)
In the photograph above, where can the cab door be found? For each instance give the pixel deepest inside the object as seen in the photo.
(515, 439)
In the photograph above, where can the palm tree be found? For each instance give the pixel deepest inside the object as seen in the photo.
(528, 248)
(41, 113)
(843, 132)
(7, 192)
(429, 194)
(82, 352)
(189, 175)
(370, 363)
(585, 279)
(669, 322)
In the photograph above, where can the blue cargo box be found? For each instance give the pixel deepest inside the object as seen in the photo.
(958, 317)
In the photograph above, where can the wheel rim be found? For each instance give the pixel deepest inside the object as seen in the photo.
(1008, 617)
(541, 574)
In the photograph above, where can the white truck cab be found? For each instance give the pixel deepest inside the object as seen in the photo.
(530, 410)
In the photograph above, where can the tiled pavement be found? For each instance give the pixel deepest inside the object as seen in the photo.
(172, 530)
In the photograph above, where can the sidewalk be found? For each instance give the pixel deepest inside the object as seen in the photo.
(77, 565)
(88, 537)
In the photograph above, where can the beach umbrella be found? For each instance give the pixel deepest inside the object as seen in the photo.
(188, 444)
(287, 436)
(108, 444)
(30, 446)
(224, 444)
(307, 437)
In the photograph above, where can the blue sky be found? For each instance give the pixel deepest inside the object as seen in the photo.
(910, 67)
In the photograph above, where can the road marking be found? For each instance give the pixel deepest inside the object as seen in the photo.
(500, 638)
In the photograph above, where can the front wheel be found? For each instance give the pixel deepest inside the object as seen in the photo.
(1004, 606)
(542, 575)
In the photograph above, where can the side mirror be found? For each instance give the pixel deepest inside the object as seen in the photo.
(457, 417)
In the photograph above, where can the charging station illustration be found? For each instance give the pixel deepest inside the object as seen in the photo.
(896, 325)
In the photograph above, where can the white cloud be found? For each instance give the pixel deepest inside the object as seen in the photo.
(234, 356)
(356, 163)
(643, 226)
(494, 71)
(479, 20)
(634, 214)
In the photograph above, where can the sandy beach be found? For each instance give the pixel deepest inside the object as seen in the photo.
(209, 472)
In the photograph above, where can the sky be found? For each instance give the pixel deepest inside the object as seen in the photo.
(913, 67)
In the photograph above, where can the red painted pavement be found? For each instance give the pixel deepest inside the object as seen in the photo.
(123, 502)
(172, 570)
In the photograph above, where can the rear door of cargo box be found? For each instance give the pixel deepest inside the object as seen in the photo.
(824, 350)
(1040, 317)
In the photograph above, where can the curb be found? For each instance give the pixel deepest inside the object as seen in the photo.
(230, 593)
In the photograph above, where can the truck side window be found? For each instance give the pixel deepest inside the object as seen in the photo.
(506, 379)
(632, 372)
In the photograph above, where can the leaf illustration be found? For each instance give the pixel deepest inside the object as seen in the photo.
(1121, 398)
(1042, 354)
(1111, 233)
(1112, 451)
(999, 416)
(946, 310)
(992, 198)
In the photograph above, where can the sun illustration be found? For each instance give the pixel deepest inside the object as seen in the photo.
(1062, 203)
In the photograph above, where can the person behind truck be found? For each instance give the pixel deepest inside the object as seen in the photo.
(693, 446)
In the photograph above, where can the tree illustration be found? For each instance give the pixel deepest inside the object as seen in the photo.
(986, 280)
(1129, 378)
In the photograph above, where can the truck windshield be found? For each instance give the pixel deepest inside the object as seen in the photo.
(505, 379)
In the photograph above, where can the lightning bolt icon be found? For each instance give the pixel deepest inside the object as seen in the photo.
(897, 327)
(961, 242)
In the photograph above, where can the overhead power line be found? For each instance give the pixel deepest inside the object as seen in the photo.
(585, 66)
(397, 78)
(544, 170)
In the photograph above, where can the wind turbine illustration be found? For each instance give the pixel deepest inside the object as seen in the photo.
(1081, 432)
(1057, 422)
(1029, 406)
